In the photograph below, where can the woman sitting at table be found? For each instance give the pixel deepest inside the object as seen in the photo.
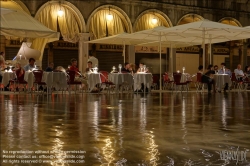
(208, 79)
(89, 67)
(19, 70)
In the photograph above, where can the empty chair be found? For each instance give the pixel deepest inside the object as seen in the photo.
(178, 83)
(71, 79)
(104, 78)
(38, 74)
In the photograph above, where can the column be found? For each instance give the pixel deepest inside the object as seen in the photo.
(83, 51)
(130, 54)
(173, 60)
(244, 56)
(231, 56)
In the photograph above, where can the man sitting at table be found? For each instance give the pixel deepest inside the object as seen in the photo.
(140, 69)
(239, 73)
(89, 67)
(208, 79)
(126, 67)
(78, 75)
(50, 68)
(31, 65)
(227, 71)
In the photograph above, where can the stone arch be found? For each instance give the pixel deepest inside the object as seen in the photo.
(72, 9)
(118, 11)
(22, 5)
(159, 14)
(230, 21)
(188, 18)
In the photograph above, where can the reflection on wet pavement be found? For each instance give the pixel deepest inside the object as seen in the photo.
(127, 129)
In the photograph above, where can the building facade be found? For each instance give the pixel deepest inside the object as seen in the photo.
(87, 20)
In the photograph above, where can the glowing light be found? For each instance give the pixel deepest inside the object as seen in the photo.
(154, 20)
(109, 17)
(60, 13)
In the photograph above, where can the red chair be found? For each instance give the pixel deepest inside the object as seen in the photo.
(19, 80)
(71, 79)
(237, 84)
(177, 81)
(199, 85)
(38, 74)
(167, 83)
(155, 82)
(246, 82)
(104, 78)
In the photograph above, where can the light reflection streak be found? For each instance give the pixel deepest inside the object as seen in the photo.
(58, 149)
(35, 125)
(184, 119)
(224, 114)
(153, 150)
(108, 152)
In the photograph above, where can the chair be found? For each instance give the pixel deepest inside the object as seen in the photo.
(199, 85)
(237, 84)
(246, 82)
(155, 82)
(104, 78)
(38, 74)
(167, 82)
(177, 81)
(19, 80)
(71, 79)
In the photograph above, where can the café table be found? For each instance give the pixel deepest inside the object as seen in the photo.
(120, 78)
(7, 76)
(142, 78)
(93, 79)
(221, 80)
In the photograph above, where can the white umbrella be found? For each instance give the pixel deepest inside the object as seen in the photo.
(206, 31)
(6, 11)
(157, 35)
(120, 39)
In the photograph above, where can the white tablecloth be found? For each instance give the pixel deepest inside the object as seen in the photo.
(145, 78)
(7, 76)
(57, 80)
(221, 80)
(119, 78)
(29, 78)
(93, 79)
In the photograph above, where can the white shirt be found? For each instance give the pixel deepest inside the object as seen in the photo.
(238, 73)
(94, 61)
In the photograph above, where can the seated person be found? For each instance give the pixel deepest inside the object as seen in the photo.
(89, 67)
(215, 69)
(78, 75)
(208, 79)
(60, 68)
(19, 70)
(141, 68)
(50, 68)
(31, 65)
(200, 69)
(126, 67)
(2, 66)
(239, 73)
(247, 71)
(227, 71)
(132, 68)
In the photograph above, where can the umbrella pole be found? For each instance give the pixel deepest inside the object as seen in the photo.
(123, 52)
(210, 50)
(171, 59)
(160, 63)
(203, 48)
